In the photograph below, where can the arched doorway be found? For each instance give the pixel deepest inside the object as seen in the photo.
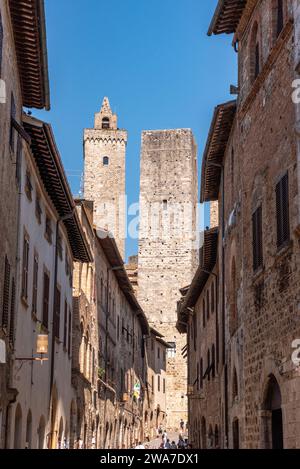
(28, 440)
(272, 416)
(41, 432)
(203, 433)
(18, 428)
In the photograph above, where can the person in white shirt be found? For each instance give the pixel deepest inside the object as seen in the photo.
(140, 446)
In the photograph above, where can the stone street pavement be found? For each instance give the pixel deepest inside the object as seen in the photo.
(155, 443)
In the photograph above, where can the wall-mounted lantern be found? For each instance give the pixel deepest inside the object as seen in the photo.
(41, 349)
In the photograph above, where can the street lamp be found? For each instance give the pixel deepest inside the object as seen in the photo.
(41, 350)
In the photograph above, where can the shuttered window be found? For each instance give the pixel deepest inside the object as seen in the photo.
(12, 314)
(195, 330)
(282, 211)
(25, 268)
(35, 284)
(6, 288)
(13, 117)
(257, 239)
(280, 18)
(65, 324)
(46, 288)
(70, 333)
(19, 161)
(201, 373)
(1, 43)
(56, 319)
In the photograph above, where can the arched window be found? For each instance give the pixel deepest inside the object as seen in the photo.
(254, 53)
(233, 320)
(41, 432)
(18, 428)
(273, 419)
(235, 388)
(105, 161)
(105, 123)
(29, 430)
(236, 434)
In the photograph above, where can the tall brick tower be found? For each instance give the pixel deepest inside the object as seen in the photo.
(168, 250)
(104, 173)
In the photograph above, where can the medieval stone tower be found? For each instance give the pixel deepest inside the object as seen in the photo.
(168, 249)
(104, 173)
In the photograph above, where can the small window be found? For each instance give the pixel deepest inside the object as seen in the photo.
(203, 313)
(105, 123)
(46, 291)
(35, 284)
(38, 209)
(257, 239)
(165, 204)
(56, 319)
(158, 353)
(65, 324)
(48, 229)
(13, 117)
(28, 186)
(164, 386)
(12, 313)
(171, 350)
(201, 373)
(6, 289)
(25, 268)
(105, 161)
(59, 246)
(282, 211)
(280, 17)
(1, 42)
(207, 304)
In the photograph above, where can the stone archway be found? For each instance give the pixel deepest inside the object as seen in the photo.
(272, 421)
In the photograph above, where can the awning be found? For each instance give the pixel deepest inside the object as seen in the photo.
(29, 28)
(51, 170)
(227, 16)
(212, 162)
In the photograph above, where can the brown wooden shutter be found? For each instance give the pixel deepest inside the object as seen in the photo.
(257, 239)
(46, 300)
(1, 42)
(282, 211)
(35, 284)
(56, 319)
(25, 268)
(6, 288)
(65, 323)
(70, 333)
(12, 314)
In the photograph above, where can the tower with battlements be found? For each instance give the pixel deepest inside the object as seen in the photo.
(168, 250)
(104, 173)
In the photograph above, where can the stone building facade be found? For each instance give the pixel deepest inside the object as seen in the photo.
(198, 318)
(104, 173)
(168, 246)
(85, 407)
(250, 166)
(50, 238)
(155, 402)
(21, 83)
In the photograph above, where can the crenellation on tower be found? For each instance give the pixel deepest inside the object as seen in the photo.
(168, 249)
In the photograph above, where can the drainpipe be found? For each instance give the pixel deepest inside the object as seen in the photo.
(59, 220)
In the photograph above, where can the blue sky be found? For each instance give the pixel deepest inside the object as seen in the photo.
(154, 61)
